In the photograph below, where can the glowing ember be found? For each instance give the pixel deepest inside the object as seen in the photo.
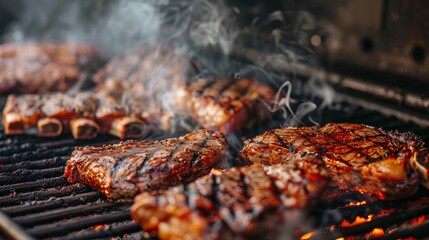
(376, 232)
(418, 220)
(357, 221)
(360, 190)
(99, 227)
(307, 236)
(351, 204)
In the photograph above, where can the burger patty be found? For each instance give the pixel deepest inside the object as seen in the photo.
(255, 201)
(120, 171)
(359, 157)
(43, 67)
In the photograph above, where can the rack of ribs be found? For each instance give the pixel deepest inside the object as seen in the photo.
(45, 67)
(51, 114)
(120, 104)
(122, 170)
(357, 157)
(247, 202)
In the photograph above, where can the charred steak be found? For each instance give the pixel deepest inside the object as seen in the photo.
(226, 104)
(356, 156)
(42, 67)
(120, 171)
(252, 201)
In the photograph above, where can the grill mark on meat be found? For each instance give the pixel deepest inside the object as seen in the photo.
(187, 197)
(208, 84)
(146, 159)
(276, 189)
(244, 186)
(196, 156)
(176, 150)
(226, 85)
(346, 144)
(289, 146)
(214, 193)
(323, 150)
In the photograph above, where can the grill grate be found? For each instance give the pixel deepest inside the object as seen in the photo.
(35, 196)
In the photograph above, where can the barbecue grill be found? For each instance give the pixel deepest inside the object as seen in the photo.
(36, 202)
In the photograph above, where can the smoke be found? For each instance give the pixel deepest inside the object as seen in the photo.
(206, 30)
(123, 25)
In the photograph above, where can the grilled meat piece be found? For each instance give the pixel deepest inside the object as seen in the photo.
(146, 72)
(253, 201)
(120, 171)
(227, 104)
(42, 67)
(356, 156)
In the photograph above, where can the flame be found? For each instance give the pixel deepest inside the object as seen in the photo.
(357, 221)
(351, 204)
(307, 236)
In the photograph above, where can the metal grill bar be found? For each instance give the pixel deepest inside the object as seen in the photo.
(113, 230)
(40, 164)
(42, 206)
(59, 214)
(30, 175)
(39, 184)
(63, 228)
(420, 231)
(42, 195)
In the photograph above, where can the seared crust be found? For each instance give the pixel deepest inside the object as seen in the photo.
(42, 67)
(125, 169)
(356, 156)
(234, 203)
(226, 104)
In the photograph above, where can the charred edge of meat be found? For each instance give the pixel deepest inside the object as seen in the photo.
(408, 138)
(49, 127)
(83, 128)
(128, 127)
